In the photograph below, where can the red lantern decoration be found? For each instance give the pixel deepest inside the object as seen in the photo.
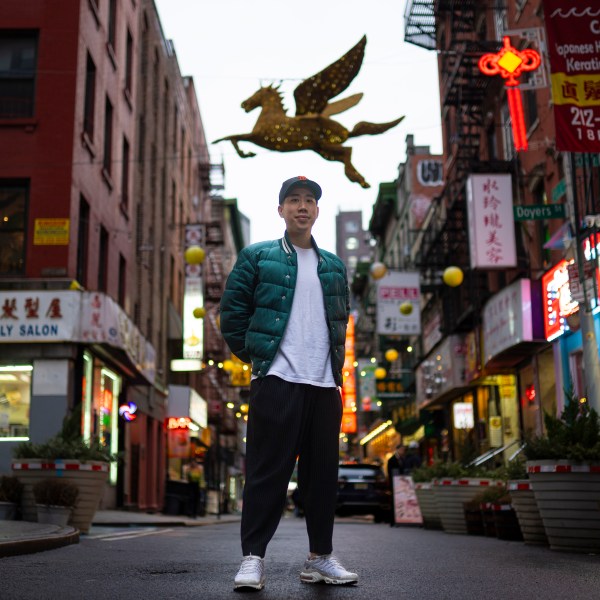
(510, 63)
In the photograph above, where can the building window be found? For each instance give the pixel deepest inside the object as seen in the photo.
(83, 237)
(15, 399)
(13, 207)
(112, 23)
(125, 176)
(103, 260)
(90, 97)
(351, 226)
(122, 280)
(18, 59)
(108, 127)
(129, 62)
(352, 243)
(531, 109)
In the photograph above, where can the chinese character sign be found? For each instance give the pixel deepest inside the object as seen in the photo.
(491, 225)
(573, 29)
(394, 289)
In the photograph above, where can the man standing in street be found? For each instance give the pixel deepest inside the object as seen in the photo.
(285, 310)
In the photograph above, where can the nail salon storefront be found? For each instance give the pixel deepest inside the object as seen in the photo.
(65, 349)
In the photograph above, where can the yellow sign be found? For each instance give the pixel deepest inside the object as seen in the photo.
(51, 232)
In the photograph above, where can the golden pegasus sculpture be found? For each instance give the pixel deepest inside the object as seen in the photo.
(312, 128)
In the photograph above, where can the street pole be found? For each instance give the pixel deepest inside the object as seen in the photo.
(591, 360)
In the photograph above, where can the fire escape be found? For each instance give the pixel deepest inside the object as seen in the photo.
(451, 27)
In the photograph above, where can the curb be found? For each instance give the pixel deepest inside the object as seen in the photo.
(63, 537)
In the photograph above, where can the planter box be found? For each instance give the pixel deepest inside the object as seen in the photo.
(451, 494)
(568, 498)
(53, 515)
(8, 511)
(428, 504)
(90, 478)
(528, 513)
(487, 515)
(473, 519)
(506, 523)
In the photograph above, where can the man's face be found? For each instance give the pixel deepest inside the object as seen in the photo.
(299, 210)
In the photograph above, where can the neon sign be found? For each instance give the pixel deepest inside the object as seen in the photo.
(510, 63)
(128, 411)
(558, 301)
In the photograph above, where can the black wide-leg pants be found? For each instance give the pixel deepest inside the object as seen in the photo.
(288, 421)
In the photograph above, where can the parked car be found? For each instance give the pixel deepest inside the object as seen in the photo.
(363, 490)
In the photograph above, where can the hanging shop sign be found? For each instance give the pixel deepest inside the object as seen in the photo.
(462, 413)
(573, 31)
(367, 393)
(394, 289)
(508, 319)
(491, 225)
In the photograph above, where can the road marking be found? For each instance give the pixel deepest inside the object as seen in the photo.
(127, 535)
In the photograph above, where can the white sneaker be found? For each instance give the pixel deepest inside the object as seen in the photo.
(251, 573)
(326, 568)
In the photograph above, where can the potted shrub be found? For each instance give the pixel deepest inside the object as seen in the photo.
(67, 456)
(55, 500)
(10, 496)
(564, 470)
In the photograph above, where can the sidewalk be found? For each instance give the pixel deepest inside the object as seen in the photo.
(24, 537)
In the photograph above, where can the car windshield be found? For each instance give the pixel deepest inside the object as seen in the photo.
(359, 472)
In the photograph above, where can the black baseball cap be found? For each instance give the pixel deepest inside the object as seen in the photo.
(299, 181)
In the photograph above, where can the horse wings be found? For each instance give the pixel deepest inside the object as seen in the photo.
(313, 94)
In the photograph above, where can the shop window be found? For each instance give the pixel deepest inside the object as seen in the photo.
(100, 415)
(13, 206)
(18, 62)
(15, 398)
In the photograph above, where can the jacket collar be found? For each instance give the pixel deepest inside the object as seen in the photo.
(288, 247)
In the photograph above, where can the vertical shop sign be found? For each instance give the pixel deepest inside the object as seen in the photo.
(193, 297)
(491, 226)
(393, 290)
(573, 31)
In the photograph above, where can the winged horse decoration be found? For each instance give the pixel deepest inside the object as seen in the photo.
(312, 127)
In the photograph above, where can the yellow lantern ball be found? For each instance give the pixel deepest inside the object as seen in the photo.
(380, 373)
(391, 355)
(453, 276)
(194, 255)
(199, 312)
(406, 308)
(377, 270)
(228, 365)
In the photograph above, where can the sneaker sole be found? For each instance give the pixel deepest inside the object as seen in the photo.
(248, 587)
(315, 577)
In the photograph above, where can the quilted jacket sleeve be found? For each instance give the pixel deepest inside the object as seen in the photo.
(237, 304)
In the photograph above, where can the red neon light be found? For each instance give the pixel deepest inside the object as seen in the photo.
(510, 64)
(178, 422)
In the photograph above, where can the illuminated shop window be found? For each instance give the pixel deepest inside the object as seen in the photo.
(100, 421)
(15, 398)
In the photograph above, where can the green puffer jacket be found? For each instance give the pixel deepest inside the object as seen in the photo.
(257, 302)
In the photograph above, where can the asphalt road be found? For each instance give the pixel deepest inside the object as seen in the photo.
(393, 563)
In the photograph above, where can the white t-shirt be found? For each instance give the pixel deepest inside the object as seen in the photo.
(304, 355)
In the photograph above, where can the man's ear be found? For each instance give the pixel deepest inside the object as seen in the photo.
(280, 210)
